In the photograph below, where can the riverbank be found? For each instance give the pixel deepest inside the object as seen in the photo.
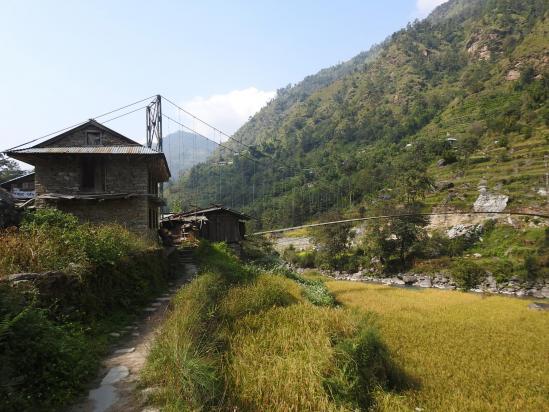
(513, 287)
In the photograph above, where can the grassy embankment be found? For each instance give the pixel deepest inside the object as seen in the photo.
(240, 338)
(54, 329)
(469, 352)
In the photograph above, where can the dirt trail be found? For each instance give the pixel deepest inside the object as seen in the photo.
(114, 390)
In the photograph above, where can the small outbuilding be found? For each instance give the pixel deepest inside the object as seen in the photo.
(216, 224)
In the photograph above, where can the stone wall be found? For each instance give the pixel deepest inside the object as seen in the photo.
(131, 213)
(122, 174)
(63, 174)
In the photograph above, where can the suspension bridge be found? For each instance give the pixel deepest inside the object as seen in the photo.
(241, 174)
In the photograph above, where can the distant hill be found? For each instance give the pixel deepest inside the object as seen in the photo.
(183, 150)
(456, 101)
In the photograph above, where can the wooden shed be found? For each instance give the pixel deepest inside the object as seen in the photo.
(216, 224)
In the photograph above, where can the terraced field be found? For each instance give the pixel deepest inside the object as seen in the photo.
(466, 351)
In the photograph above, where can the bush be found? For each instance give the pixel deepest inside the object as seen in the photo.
(364, 365)
(218, 257)
(42, 364)
(49, 239)
(314, 290)
(502, 270)
(467, 274)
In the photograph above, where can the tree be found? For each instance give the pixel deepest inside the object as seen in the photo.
(9, 169)
(397, 238)
(468, 144)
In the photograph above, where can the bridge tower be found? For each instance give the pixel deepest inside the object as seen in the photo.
(154, 129)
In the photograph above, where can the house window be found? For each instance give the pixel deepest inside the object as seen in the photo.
(93, 138)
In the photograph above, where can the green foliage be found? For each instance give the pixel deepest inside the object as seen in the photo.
(49, 239)
(467, 274)
(9, 169)
(314, 290)
(220, 258)
(301, 259)
(364, 365)
(50, 331)
(398, 238)
(43, 364)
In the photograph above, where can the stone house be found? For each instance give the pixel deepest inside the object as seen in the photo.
(98, 175)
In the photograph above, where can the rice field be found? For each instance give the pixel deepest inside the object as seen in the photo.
(468, 352)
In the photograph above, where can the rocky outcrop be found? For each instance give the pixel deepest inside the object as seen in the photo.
(467, 231)
(487, 202)
(9, 215)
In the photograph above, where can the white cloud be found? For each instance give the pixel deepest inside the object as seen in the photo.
(227, 111)
(424, 7)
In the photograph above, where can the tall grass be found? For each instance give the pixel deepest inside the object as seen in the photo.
(470, 353)
(52, 240)
(242, 339)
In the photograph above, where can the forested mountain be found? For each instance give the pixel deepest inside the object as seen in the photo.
(459, 99)
(183, 150)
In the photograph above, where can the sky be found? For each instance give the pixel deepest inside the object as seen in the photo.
(63, 62)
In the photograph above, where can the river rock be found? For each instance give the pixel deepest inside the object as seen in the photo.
(536, 293)
(539, 306)
(425, 283)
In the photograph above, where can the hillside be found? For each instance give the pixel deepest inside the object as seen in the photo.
(183, 150)
(460, 98)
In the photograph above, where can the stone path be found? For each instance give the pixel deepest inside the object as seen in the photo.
(115, 387)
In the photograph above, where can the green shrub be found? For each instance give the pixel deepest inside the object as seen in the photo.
(218, 257)
(314, 290)
(467, 274)
(49, 239)
(48, 218)
(502, 270)
(42, 364)
(363, 365)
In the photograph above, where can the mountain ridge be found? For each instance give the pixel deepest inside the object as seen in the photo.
(472, 71)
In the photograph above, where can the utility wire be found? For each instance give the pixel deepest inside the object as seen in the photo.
(206, 123)
(81, 123)
(124, 114)
(360, 219)
(207, 138)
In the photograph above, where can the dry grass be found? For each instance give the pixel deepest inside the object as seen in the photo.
(279, 359)
(469, 352)
(254, 342)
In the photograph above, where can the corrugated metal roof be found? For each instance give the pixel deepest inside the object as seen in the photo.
(212, 210)
(16, 178)
(127, 150)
